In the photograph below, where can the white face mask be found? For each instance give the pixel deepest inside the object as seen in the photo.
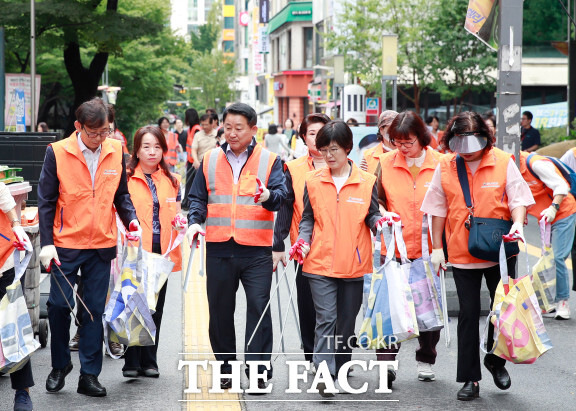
(387, 137)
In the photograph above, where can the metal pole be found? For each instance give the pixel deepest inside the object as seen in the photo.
(394, 95)
(2, 80)
(32, 66)
(509, 90)
(383, 94)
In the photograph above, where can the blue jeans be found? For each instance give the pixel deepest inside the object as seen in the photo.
(562, 239)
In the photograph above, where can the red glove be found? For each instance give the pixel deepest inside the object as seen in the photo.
(387, 220)
(135, 232)
(512, 237)
(299, 250)
(262, 194)
(180, 222)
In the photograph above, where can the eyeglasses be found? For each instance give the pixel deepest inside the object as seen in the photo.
(332, 151)
(408, 144)
(94, 135)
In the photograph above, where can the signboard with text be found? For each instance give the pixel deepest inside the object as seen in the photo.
(20, 82)
(372, 106)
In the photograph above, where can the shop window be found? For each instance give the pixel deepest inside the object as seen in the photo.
(308, 48)
(228, 46)
(228, 22)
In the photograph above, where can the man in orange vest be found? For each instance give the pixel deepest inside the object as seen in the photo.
(82, 184)
(236, 190)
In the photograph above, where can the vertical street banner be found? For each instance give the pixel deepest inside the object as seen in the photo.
(482, 20)
(19, 82)
(20, 110)
(264, 11)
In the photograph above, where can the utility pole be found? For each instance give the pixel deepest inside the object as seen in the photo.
(509, 90)
(32, 66)
(571, 65)
(2, 80)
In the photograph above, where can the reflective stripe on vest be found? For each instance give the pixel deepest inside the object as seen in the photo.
(542, 194)
(171, 156)
(232, 212)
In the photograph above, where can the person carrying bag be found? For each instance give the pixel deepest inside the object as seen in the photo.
(544, 271)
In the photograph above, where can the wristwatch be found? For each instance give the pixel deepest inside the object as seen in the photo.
(556, 206)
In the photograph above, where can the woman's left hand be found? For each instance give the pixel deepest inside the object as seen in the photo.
(180, 222)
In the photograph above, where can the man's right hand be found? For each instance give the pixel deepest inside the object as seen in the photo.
(47, 254)
(193, 231)
(196, 164)
(278, 256)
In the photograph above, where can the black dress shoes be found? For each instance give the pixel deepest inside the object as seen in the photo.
(469, 391)
(89, 385)
(226, 383)
(500, 375)
(55, 380)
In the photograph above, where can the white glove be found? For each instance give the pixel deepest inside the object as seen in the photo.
(437, 259)
(135, 231)
(549, 213)
(180, 222)
(193, 231)
(517, 227)
(278, 257)
(22, 240)
(387, 216)
(47, 254)
(305, 249)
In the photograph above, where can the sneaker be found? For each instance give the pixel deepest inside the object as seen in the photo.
(562, 310)
(22, 401)
(312, 369)
(425, 372)
(551, 313)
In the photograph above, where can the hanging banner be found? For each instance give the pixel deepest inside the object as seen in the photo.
(482, 21)
(20, 82)
(264, 11)
(20, 110)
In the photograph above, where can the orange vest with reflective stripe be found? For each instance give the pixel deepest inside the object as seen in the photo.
(142, 199)
(488, 193)
(543, 195)
(190, 140)
(341, 245)
(372, 156)
(85, 216)
(7, 239)
(232, 212)
(298, 170)
(171, 156)
(400, 199)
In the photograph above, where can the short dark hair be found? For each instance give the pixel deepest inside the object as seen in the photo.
(205, 117)
(407, 123)
(466, 122)
(291, 122)
(214, 117)
(43, 126)
(352, 121)
(489, 115)
(338, 132)
(210, 111)
(92, 113)
(161, 120)
(528, 114)
(272, 128)
(311, 119)
(243, 110)
(191, 117)
(429, 119)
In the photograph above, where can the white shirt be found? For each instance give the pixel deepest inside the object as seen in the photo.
(339, 182)
(91, 157)
(546, 170)
(236, 162)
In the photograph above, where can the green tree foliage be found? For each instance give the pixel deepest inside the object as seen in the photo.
(460, 63)
(207, 37)
(214, 74)
(544, 21)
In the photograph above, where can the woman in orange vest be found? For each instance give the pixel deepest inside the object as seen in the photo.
(289, 217)
(497, 190)
(369, 160)
(408, 172)
(171, 138)
(155, 192)
(340, 208)
(192, 120)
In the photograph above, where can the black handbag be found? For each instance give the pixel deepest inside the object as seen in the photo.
(485, 233)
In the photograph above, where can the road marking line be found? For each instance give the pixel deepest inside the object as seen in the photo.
(536, 252)
(196, 341)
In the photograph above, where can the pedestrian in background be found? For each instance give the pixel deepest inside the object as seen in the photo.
(498, 191)
(42, 127)
(82, 185)
(288, 220)
(340, 208)
(403, 180)
(11, 230)
(569, 158)
(530, 136)
(155, 192)
(172, 141)
(433, 124)
(204, 140)
(236, 192)
(181, 135)
(276, 143)
(553, 202)
(193, 122)
(369, 161)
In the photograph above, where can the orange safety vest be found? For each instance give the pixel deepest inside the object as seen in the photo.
(542, 194)
(371, 156)
(171, 156)
(85, 216)
(7, 239)
(298, 170)
(142, 199)
(488, 193)
(341, 246)
(232, 212)
(396, 181)
(190, 140)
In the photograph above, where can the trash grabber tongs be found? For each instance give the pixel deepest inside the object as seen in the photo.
(190, 259)
(73, 291)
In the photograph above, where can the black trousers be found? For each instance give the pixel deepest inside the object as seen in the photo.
(223, 276)
(468, 283)
(306, 313)
(573, 253)
(23, 377)
(190, 174)
(144, 358)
